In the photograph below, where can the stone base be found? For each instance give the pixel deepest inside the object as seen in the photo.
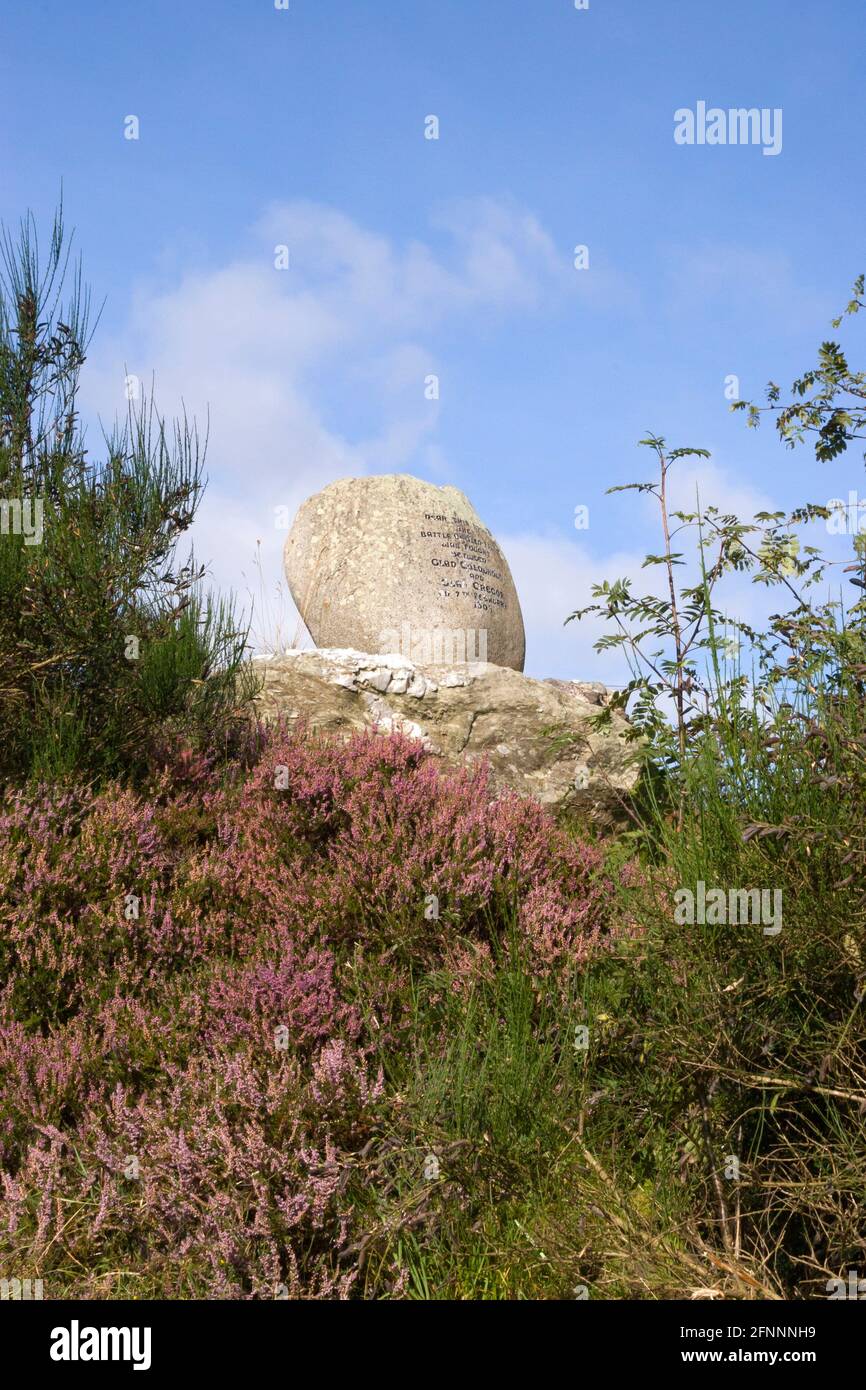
(534, 733)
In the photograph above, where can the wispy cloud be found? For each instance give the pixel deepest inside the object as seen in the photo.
(279, 360)
(716, 277)
(318, 372)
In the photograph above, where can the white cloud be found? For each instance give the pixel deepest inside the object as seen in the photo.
(704, 481)
(554, 577)
(274, 357)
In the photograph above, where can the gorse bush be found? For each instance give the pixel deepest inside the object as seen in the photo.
(211, 1008)
(106, 641)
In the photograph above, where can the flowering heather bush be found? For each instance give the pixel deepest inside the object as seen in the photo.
(202, 992)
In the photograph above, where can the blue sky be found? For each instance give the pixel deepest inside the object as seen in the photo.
(261, 127)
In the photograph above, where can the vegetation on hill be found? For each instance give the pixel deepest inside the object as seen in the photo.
(108, 647)
(287, 1017)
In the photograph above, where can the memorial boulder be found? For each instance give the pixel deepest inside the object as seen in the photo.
(389, 563)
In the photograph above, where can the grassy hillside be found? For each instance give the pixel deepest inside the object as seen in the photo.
(284, 1017)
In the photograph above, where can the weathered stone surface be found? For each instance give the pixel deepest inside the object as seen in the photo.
(533, 732)
(392, 564)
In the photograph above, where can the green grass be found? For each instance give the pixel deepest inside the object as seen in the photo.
(613, 1170)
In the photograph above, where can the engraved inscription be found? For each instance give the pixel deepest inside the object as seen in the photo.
(467, 566)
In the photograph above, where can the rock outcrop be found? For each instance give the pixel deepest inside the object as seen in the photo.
(534, 733)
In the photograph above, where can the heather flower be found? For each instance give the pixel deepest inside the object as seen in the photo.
(259, 903)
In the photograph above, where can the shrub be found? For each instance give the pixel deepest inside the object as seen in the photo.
(729, 1070)
(211, 999)
(107, 643)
